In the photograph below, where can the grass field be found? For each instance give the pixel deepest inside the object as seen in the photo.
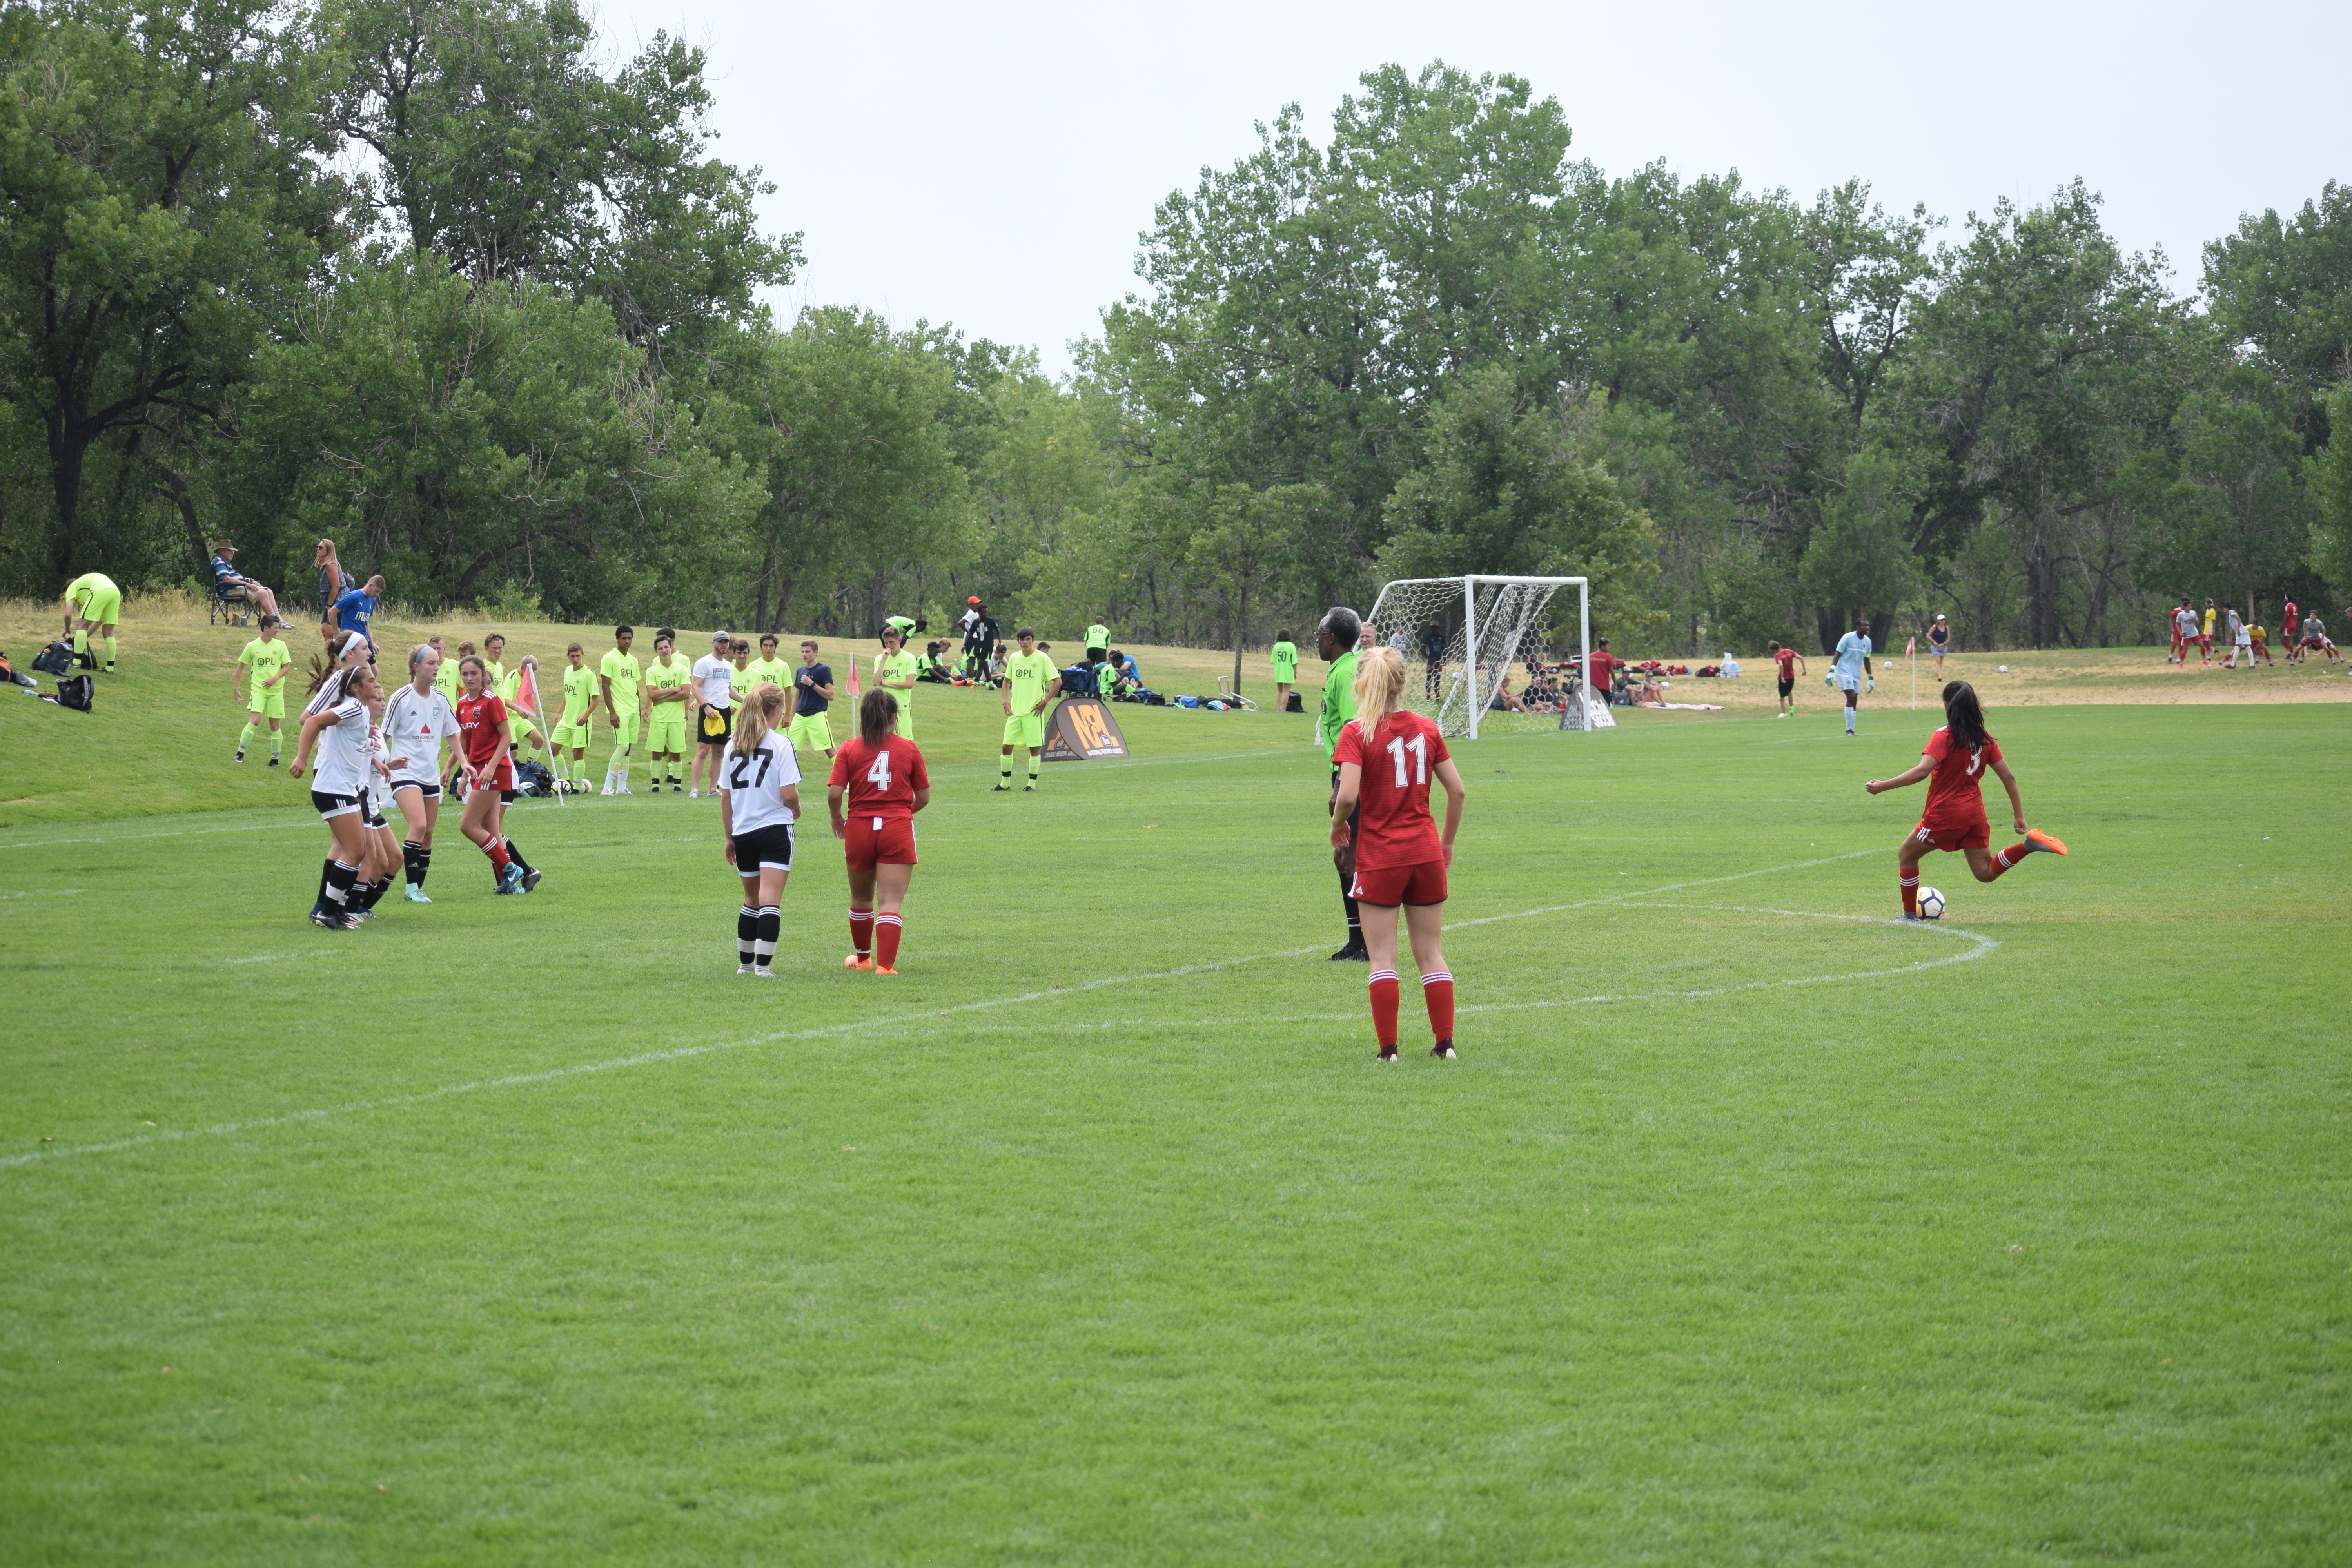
(1750, 1227)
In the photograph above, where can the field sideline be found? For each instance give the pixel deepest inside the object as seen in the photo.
(1750, 1225)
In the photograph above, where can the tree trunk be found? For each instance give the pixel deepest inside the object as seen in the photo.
(1241, 620)
(67, 453)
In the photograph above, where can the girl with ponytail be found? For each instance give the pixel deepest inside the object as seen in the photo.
(759, 781)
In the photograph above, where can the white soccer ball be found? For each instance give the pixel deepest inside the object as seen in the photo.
(2003, 667)
(1931, 904)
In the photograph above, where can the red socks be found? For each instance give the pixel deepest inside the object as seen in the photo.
(496, 850)
(1384, 1007)
(1437, 993)
(2007, 859)
(861, 930)
(888, 929)
(1910, 881)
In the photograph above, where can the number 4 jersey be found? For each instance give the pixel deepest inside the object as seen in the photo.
(881, 780)
(755, 782)
(1395, 828)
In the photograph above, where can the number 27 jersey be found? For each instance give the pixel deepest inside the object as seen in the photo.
(881, 780)
(1395, 828)
(755, 782)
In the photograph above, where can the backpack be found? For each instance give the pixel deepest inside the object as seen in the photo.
(55, 660)
(1295, 705)
(76, 691)
(533, 778)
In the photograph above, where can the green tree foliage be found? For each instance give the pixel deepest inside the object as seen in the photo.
(160, 209)
(2331, 485)
(1859, 560)
(2284, 287)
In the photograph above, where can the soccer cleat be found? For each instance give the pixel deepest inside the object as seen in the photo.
(1388, 1053)
(240, 754)
(692, 794)
(761, 972)
(355, 916)
(742, 969)
(2037, 839)
(273, 761)
(510, 878)
(333, 921)
(1028, 789)
(415, 894)
(858, 960)
(530, 879)
(1443, 1051)
(1354, 952)
(1002, 789)
(879, 970)
(608, 786)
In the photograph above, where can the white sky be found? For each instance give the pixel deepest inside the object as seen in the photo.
(991, 165)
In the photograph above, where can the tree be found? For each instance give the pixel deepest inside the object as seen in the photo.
(1859, 561)
(1249, 541)
(160, 207)
(2236, 515)
(2330, 472)
(2283, 285)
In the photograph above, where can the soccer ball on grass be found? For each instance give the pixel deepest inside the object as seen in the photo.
(1931, 904)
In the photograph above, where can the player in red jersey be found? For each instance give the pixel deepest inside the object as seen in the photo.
(1953, 821)
(2289, 638)
(483, 736)
(1786, 662)
(1386, 755)
(881, 774)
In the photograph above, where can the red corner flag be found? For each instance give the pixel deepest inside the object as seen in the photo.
(1911, 647)
(526, 697)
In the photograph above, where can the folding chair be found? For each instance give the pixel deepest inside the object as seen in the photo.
(229, 604)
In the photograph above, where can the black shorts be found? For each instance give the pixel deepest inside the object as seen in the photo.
(1788, 684)
(430, 791)
(726, 722)
(1096, 655)
(764, 847)
(331, 806)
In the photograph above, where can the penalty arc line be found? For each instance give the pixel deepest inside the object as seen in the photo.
(681, 1053)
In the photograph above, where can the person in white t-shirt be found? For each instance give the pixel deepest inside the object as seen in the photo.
(714, 708)
(758, 782)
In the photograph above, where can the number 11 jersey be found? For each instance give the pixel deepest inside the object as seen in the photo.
(755, 782)
(1394, 827)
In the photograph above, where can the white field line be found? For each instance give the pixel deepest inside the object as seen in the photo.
(680, 1053)
(44, 893)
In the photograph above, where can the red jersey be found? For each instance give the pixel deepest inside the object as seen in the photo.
(1956, 789)
(2289, 619)
(1395, 828)
(1787, 660)
(1599, 666)
(881, 780)
(478, 718)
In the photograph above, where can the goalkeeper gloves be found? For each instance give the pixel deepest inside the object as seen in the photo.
(1870, 683)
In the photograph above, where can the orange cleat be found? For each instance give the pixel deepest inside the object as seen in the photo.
(879, 971)
(2041, 840)
(858, 960)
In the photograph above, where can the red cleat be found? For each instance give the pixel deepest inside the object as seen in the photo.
(858, 960)
(2041, 840)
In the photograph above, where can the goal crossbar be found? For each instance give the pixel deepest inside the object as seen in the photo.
(1485, 620)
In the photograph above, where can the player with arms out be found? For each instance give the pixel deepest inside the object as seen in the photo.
(758, 784)
(1852, 667)
(268, 657)
(1386, 756)
(1954, 764)
(1030, 682)
(878, 784)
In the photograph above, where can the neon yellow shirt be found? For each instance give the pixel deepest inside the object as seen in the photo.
(1285, 663)
(660, 677)
(450, 682)
(776, 672)
(621, 669)
(580, 693)
(1030, 674)
(89, 587)
(1098, 635)
(265, 659)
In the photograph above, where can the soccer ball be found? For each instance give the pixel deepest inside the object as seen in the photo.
(1931, 904)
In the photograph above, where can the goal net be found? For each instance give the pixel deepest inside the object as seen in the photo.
(1492, 655)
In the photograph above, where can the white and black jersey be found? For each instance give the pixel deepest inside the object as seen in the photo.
(345, 760)
(413, 728)
(755, 782)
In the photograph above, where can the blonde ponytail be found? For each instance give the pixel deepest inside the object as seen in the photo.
(1379, 687)
(762, 705)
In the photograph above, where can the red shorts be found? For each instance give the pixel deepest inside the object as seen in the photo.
(1393, 885)
(1952, 834)
(499, 776)
(874, 841)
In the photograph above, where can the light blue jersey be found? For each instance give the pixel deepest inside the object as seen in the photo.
(1851, 649)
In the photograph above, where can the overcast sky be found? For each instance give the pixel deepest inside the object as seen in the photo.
(991, 165)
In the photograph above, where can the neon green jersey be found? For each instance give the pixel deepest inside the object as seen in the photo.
(1285, 663)
(1098, 635)
(899, 665)
(660, 677)
(621, 669)
(1339, 701)
(450, 682)
(265, 659)
(1028, 674)
(580, 692)
(776, 672)
(89, 585)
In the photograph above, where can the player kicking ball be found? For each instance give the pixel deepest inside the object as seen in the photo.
(1953, 821)
(1386, 755)
(877, 785)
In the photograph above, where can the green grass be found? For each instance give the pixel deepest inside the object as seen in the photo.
(523, 1231)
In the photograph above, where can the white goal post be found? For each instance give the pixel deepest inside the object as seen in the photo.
(1468, 634)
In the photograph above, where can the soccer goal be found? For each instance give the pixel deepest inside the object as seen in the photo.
(1467, 639)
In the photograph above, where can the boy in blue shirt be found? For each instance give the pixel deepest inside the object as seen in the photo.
(353, 610)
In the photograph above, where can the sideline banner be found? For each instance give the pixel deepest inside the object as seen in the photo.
(1081, 728)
